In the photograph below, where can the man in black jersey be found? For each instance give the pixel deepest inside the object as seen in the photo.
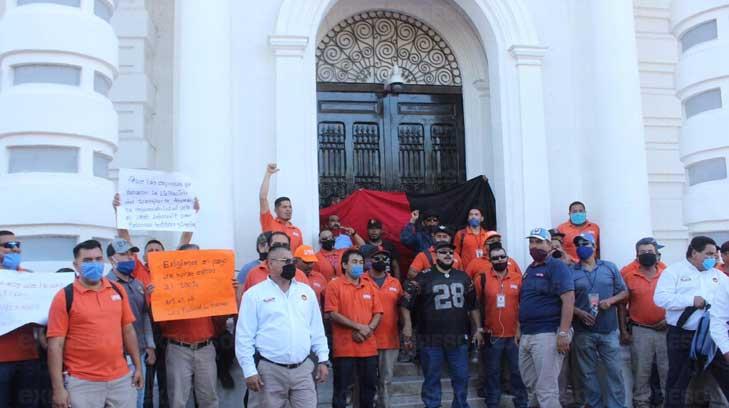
(444, 299)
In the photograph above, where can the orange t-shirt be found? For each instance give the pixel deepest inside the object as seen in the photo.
(317, 283)
(141, 273)
(421, 263)
(189, 330)
(358, 303)
(260, 274)
(94, 345)
(329, 263)
(469, 245)
(387, 332)
(481, 265)
(18, 345)
(500, 322)
(268, 223)
(570, 231)
(641, 307)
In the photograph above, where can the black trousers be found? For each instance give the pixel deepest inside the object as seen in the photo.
(681, 368)
(344, 373)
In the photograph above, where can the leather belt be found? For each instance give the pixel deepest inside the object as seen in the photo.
(191, 346)
(289, 366)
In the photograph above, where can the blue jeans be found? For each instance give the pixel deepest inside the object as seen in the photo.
(432, 359)
(494, 351)
(19, 384)
(589, 348)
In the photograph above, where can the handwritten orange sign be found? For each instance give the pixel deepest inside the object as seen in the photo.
(190, 284)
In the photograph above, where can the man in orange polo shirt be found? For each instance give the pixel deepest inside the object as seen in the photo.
(483, 264)
(577, 224)
(88, 334)
(305, 261)
(645, 329)
(283, 209)
(354, 306)
(19, 363)
(498, 292)
(426, 259)
(329, 259)
(387, 332)
(470, 241)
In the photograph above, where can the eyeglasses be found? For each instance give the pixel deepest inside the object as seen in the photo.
(445, 252)
(499, 258)
(286, 261)
(11, 245)
(380, 258)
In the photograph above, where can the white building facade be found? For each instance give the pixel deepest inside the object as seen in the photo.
(615, 103)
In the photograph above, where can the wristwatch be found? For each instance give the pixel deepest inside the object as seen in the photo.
(563, 334)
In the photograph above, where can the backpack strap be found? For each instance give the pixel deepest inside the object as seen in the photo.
(68, 291)
(463, 238)
(117, 289)
(685, 316)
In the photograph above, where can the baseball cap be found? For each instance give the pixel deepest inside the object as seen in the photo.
(648, 241)
(491, 234)
(585, 236)
(443, 228)
(539, 233)
(120, 246)
(554, 233)
(371, 250)
(305, 253)
(442, 244)
(374, 224)
(430, 213)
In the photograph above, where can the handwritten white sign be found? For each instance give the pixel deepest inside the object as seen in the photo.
(25, 297)
(155, 201)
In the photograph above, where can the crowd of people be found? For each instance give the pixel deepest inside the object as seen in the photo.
(551, 335)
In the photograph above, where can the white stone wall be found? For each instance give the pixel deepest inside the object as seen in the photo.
(657, 56)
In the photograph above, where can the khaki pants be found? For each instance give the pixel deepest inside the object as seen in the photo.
(540, 365)
(283, 387)
(386, 366)
(648, 345)
(187, 368)
(96, 394)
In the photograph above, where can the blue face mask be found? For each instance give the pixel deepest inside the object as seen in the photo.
(92, 271)
(709, 263)
(125, 267)
(585, 252)
(474, 222)
(11, 261)
(356, 271)
(578, 218)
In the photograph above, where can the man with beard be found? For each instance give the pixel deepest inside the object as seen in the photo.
(374, 237)
(445, 299)
(328, 263)
(546, 304)
(262, 250)
(426, 259)
(420, 239)
(305, 260)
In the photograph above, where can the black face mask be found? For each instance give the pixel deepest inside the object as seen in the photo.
(500, 267)
(647, 260)
(327, 244)
(379, 266)
(262, 256)
(444, 266)
(557, 253)
(288, 272)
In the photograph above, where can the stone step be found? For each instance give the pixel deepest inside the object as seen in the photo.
(411, 385)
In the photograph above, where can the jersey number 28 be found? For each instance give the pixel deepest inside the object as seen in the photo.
(448, 296)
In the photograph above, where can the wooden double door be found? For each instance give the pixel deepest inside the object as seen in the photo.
(411, 141)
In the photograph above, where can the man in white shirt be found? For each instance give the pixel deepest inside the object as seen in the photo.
(684, 289)
(279, 325)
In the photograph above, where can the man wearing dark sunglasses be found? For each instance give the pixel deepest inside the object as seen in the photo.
(445, 300)
(19, 360)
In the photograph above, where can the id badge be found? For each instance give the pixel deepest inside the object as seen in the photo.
(479, 253)
(500, 301)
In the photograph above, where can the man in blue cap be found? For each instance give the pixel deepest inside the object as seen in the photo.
(545, 315)
(598, 289)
